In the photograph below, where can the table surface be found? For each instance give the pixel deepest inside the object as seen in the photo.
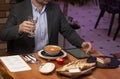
(98, 73)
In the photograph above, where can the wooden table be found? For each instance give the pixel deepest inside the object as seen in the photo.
(35, 74)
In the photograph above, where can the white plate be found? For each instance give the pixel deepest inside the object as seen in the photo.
(47, 68)
(49, 57)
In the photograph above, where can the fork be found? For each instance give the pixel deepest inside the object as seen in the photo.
(30, 58)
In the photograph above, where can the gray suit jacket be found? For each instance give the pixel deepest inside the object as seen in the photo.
(21, 43)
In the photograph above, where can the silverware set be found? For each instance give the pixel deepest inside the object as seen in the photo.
(30, 59)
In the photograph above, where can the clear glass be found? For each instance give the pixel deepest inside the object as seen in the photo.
(34, 20)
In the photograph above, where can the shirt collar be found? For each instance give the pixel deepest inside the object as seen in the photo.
(35, 8)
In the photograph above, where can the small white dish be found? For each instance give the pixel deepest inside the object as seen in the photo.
(47, 68)
(50, 57)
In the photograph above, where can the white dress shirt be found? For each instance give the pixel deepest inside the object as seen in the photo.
(41, 31)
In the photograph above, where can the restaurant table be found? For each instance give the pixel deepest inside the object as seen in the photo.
(98, 73)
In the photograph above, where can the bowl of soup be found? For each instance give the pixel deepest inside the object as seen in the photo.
(52, 49)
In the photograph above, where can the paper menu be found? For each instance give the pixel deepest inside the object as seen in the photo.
(15, 63)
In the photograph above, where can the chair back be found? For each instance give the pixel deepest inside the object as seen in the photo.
(111, 6)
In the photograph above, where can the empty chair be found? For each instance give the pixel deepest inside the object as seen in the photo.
(110, 6)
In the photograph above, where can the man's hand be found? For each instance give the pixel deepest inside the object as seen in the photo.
(87, 47)
(27, 27)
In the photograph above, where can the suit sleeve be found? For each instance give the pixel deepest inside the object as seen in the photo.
(69, 33)
(10, 30)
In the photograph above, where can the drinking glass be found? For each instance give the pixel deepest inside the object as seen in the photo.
(34, 20)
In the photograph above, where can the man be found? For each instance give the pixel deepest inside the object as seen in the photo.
(50, 22)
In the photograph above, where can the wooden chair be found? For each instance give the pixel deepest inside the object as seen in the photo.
(112, 7)
(3, 48)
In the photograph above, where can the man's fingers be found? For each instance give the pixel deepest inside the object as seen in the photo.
(27, 27)
(87, 47)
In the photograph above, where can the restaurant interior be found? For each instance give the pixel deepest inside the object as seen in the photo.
(93, 23)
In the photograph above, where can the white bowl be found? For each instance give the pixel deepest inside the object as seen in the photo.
(52, 50)
(47, 68)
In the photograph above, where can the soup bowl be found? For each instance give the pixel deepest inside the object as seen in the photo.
(52, 49)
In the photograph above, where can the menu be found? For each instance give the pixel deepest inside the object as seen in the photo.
(15, 63)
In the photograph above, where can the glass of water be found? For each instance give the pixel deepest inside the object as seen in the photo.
(34, 20)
